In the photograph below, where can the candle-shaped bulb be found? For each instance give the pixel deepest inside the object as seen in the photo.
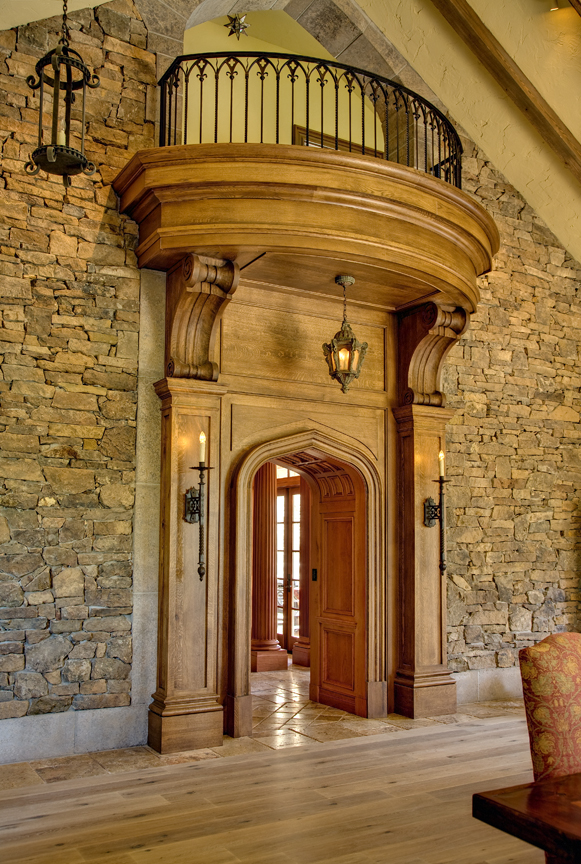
(61, 138)
(441, 461)
(202, 447)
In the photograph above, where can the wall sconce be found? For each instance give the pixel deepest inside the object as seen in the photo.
(63, 71)
(437, 512)
(344, 353)
(194, 506)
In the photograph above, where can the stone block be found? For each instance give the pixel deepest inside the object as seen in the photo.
(15, 708)
(29, 685)
(108, 667)
(11, 594)
(116, 495)
(72, 480)
(111, 624)
(35, 598)
(77, 670)
(50, 704)
(11, 662)
(70, 582)
(48, 655)
(105, 700)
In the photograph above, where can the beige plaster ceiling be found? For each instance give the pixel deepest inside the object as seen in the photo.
(13, 13)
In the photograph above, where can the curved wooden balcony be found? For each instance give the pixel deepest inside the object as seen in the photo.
(294, 217)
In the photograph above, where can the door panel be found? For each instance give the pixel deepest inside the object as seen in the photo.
(337, 548)
(338, 594)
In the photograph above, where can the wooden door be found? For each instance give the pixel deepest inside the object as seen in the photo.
(338, 594)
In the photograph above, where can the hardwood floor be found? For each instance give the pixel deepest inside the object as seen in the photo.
(398, 798)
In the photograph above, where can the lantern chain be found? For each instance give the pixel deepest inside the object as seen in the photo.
(344, 302)
(65, 27)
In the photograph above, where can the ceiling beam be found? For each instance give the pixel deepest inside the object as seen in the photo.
(460, 15)
(576, 4)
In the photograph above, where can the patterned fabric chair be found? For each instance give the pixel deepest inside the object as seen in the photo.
(551, 677)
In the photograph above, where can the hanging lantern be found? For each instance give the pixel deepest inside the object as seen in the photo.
(344, 353)
(63, 72)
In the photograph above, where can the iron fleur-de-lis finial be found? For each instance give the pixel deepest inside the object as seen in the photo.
(236, 25)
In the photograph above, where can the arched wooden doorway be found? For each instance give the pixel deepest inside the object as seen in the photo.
(347, 599)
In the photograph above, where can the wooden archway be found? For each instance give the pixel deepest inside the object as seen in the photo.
(239, 699)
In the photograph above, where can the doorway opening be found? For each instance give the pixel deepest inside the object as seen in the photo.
(309, 573)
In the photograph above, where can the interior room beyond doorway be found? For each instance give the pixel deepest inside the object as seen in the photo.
(309, 576)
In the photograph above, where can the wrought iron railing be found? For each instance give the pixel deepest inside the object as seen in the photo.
(285, 99)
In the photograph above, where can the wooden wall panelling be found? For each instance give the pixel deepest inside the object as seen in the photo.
(186, 712)
(464, 20)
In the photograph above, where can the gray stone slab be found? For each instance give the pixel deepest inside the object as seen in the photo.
(361, 53)
(333, 29)
(39, 737)
(109, 728)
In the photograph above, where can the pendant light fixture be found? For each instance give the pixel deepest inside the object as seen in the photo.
(344, 353)
(61, 73)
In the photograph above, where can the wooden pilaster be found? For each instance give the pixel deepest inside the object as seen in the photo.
(423, 684)
(186, 712)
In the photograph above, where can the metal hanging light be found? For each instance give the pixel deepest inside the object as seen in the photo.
(61, 70)
(344, 353)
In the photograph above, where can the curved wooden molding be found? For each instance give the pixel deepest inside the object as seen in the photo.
(425, 336)
(411, 235)
(198, 291)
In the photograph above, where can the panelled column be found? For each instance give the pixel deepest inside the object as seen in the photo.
(423, 684)
(186, 712)
(266, 652)
(302, 647)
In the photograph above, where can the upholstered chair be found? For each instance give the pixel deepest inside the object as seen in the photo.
(551, 678)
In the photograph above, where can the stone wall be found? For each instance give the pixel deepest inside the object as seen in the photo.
(70, 321)
(513, 447)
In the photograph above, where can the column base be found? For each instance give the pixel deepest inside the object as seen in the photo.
(427, 695)
(302, 652)
(268, 661)
(175, 732)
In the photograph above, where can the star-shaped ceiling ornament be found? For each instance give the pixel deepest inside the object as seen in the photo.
(236, 25)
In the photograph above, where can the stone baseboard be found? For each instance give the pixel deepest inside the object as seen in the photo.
(483, 685)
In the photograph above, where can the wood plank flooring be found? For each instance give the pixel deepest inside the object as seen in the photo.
(397, 798)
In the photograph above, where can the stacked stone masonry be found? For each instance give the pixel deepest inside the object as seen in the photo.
(69, 291)
(514, 460)
(69, 300)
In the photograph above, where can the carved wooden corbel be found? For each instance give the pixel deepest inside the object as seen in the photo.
(198, 291)
(425, 336)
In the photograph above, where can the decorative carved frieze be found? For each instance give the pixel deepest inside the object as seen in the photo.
(198, 291)
(425, 336)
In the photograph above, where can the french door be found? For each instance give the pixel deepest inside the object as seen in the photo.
(288, 556)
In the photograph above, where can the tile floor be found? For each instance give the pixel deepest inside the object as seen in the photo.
(283, 717)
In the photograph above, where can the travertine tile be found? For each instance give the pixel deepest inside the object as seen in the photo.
(18, 774)
(67, 768)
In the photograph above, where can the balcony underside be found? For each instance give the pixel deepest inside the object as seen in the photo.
(294, 217)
